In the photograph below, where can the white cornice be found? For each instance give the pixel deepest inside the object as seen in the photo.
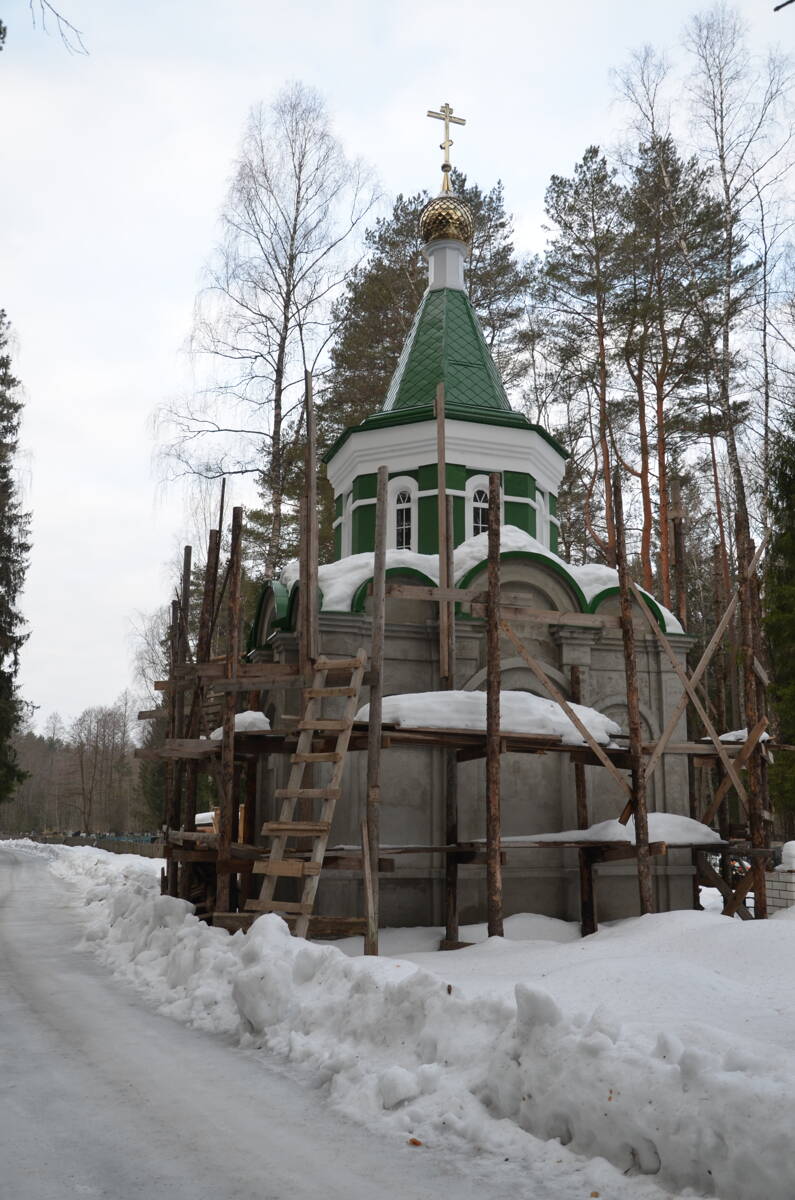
(471, 444)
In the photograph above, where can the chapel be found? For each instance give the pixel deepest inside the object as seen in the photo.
(483, 434)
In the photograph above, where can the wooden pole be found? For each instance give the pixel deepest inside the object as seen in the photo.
(228, 798)
(756, 805)
(638, 767)
(493, 830)
(373, 818)
(311, 607)
(172, 804)
(444, 582)
(180, 716)
(303, 597)
(580, 784)
(451, 764)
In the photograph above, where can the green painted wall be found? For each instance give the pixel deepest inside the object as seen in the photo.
(428, 532)
(365, 487)
(553, 537)
(518, 484)
(338, 542)
(363, 538)
(523, 516)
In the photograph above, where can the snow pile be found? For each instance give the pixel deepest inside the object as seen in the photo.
(520, 712)
(245, 722)
(663, 827)
(663, 1044)
(338, 581)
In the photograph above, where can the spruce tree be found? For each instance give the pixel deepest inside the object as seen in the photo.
(13, 561)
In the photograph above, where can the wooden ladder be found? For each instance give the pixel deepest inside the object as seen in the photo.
(280, 865)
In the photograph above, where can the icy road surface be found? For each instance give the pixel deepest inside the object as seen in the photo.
(100, 1097)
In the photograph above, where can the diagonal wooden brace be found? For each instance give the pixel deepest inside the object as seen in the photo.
(739, 761)
(704, 662)
(558, 696)
(690, 691)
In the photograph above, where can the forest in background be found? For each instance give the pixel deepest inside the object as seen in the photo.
(653, 335)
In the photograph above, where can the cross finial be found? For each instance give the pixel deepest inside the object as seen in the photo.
(446, 115)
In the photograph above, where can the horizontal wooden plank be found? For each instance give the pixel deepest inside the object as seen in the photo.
(298, 907)
(323, 756)
(152, 714)
(233, 920)
(316, 693)
(324, 663)
(324, 723)
(295, 828)
(327, 928)
(308, 793)
(287, 868)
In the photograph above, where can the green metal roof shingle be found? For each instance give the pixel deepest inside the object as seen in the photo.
(446, 344)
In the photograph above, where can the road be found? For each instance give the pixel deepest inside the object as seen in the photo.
(102, 1097)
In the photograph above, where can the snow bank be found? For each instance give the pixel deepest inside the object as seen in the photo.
(245, 722)
(339, 580)
(520, 712)
(664, 1043)
(663, 827)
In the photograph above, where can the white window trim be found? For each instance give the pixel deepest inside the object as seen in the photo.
(347, 526)
(474, 484)
(401, 483)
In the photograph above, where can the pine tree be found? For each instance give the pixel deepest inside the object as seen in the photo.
(14, 549)
(780, 603)
(382, 298)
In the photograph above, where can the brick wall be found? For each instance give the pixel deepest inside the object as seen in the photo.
(780, 889)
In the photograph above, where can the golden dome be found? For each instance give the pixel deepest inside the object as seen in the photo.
(446, 217)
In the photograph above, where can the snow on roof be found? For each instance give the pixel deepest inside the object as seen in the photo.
(340, 580)
(520, 712)
(663, 827)
(245, 722)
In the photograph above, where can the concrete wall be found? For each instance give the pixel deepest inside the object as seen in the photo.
(537, 790)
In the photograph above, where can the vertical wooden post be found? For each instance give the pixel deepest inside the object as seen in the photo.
(303, 598)
(180, 717)
(756, 805)
(444, 582)
(493, 863)
(310, 585)
(172, 813)
(587, 892)
(451, 763)
(638, 765)
(373, 817)
(580, 783)
(228, 798)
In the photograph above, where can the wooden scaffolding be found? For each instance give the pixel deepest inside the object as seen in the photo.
(235, 871)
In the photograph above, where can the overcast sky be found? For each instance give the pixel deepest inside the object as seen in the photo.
(114, 170)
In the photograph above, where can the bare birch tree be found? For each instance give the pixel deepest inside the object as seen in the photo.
(293, 208)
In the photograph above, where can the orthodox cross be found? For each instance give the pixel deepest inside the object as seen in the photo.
(446, 115)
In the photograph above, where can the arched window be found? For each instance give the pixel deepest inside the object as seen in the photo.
(480, 511)
(476, 512)
(403, 521)
(402, 509)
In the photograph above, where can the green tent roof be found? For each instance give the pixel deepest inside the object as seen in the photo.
(446, 344)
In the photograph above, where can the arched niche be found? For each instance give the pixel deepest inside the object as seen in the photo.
(399, 610)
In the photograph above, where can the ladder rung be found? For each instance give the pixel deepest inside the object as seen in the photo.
(325, 756)
(308, 793)
(287, 868)
(338, 664)
(321, 723)
(314, 693)
(295, 828)
(285, 906)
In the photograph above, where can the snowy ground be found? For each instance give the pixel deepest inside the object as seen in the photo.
(663, 1044)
